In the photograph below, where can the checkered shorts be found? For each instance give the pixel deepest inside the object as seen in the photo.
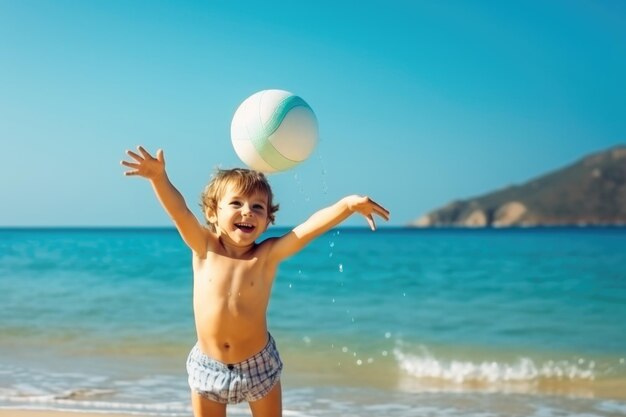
(249, 380)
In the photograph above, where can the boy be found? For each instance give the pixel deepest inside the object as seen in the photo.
(235, 358)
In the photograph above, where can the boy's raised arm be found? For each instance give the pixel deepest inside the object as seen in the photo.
(171, 199)
(324, 220)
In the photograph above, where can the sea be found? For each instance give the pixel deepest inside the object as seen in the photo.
(396, 322)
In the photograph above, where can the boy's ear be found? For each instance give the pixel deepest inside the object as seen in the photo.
(210, 215)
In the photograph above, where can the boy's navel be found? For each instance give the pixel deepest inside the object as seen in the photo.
(226, 346)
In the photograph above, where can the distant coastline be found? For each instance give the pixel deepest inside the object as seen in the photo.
(588, 193)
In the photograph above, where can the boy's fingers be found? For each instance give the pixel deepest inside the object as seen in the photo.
(134, 156)
(160, 156)
(371, 221)
(378, 206)
(145, 153)
(129, 164)
(381, 208)
(382, 213)
(130, 173)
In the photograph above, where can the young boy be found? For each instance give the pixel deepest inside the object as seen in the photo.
(235, 358)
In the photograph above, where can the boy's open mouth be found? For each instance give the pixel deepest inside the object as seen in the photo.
(245, 227)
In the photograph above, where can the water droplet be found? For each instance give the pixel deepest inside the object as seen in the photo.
(344, 349)
(359, 362)
(290, 285)
(307, 340)
(370, 360)
(581, 361)
(404, 294)
(239, 294)
(385, 353)
(330, 255)
(387, 335)
(354, 354)
(295, 176)
(332, 244)
(333, 300)
(340, 267)
(323, 172)
(338, 363)
(621, 360)
(352, 319)
(299, 271)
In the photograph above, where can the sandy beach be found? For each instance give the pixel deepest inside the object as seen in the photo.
(45, 413)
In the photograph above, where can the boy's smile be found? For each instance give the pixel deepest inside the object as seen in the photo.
(245, 227)
(241, 218)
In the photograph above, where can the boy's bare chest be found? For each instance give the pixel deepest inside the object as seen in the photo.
(226, 274)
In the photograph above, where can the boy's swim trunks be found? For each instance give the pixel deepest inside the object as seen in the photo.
(249, 380)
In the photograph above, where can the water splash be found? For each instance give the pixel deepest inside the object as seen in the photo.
(426, 365)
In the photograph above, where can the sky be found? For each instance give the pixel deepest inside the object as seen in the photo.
(419, 103)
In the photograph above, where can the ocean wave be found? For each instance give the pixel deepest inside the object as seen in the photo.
(8, 395)
(44, 390)
(170, 409)
(425, 365)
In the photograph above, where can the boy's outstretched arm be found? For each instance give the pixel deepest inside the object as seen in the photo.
(324, 220)
(171, 199)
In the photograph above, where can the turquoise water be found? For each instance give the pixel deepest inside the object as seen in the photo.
(399, 322)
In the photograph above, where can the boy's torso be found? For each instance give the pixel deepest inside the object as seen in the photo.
(230, 298)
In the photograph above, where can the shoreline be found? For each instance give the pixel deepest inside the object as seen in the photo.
(18, 412)
(333, 403)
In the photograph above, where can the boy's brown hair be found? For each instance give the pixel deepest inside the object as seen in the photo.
(243, 180)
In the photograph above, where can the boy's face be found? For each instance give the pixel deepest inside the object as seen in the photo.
(242, 218)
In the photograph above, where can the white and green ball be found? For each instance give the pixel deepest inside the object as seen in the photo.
(274, 130)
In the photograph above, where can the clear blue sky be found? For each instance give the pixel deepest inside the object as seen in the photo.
(419, 103)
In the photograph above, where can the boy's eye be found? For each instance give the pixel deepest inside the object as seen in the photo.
(258, 207)
(235, 203)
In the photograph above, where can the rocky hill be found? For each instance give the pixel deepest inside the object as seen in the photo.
(591, 191)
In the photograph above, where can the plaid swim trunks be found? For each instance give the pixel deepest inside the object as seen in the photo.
(249, 380)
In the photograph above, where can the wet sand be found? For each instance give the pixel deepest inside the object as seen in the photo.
(46, 413)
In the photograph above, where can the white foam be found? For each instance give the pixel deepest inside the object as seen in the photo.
(37, 389)
(427, 366)
(612, 406)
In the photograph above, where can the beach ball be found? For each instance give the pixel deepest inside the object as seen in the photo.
(273, 130)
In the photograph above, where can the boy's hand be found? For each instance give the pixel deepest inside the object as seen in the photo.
(324, 220)
(367, 208)
(146, 165)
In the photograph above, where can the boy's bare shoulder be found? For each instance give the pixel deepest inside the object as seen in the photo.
(210, 239)
(265, 248)
(267, 244)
